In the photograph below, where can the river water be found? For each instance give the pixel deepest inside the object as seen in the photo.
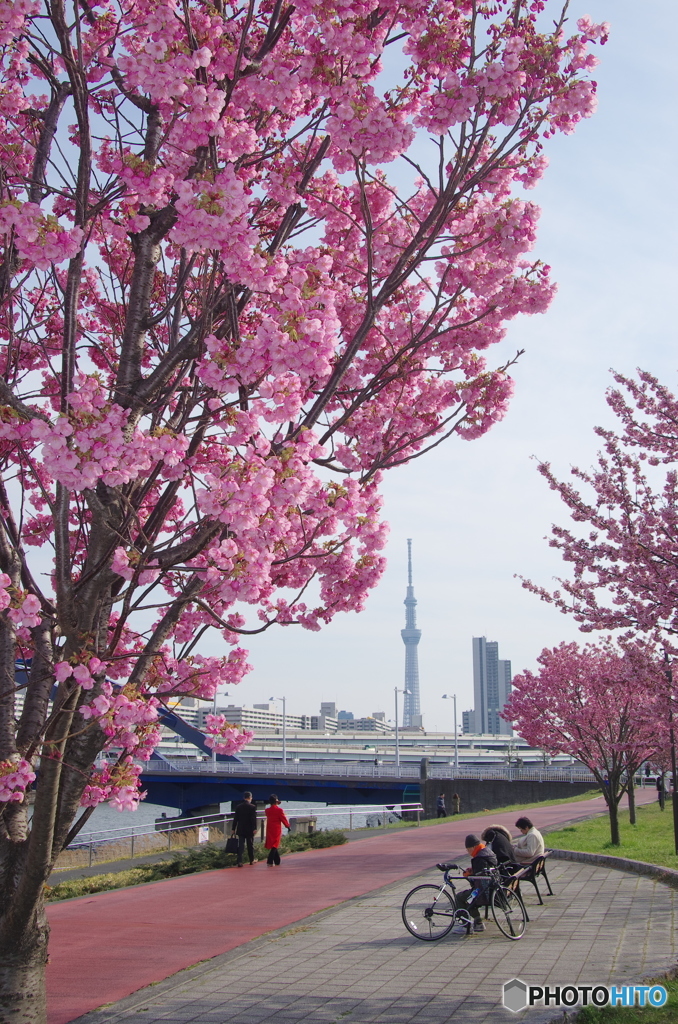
(105, 817)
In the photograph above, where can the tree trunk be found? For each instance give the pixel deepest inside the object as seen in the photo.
(614, 821)
(23, 998)
(632, 800)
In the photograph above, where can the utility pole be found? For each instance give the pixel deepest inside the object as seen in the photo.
(284, 734)
(396, 691)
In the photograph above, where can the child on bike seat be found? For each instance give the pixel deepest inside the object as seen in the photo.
(482, 859)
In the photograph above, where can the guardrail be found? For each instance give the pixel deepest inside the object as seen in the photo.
(341, 770)
(513, 774)
(106, 845)
(361, 770)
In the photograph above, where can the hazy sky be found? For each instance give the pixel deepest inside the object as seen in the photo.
(478, 511)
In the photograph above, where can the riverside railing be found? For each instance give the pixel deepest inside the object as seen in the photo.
(109, 845)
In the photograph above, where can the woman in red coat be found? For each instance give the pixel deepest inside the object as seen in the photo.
(275, 819)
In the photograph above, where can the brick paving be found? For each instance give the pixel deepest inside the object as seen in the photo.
(356, 963)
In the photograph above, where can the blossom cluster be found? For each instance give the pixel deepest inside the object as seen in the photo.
(39, 238)
(93, 442)
(16, 775)
(118, 784)
(129, 720)
(224, 738)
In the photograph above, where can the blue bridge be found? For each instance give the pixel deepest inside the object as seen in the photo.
(198, 787)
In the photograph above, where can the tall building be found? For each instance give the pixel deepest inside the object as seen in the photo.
(411, 637)
(491, 689)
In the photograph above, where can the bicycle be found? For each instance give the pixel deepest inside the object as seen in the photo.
(430, 912)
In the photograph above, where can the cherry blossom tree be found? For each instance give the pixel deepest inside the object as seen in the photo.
(221, 323)
(625, 568)
(601, 704)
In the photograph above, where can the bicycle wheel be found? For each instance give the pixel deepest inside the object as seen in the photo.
(508, 912)
(428, 912)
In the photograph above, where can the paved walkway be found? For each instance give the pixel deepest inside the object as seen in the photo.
(357, 964)
(106, 946)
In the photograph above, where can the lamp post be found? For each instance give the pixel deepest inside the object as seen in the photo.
(396, 691)
(453, 696)
(284, 745)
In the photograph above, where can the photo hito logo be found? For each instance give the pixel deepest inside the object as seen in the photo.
(517, 995)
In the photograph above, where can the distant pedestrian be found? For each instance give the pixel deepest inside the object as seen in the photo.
(440, 806)
(245, 826)
(661, 791)
(456, 803)
(275, 819)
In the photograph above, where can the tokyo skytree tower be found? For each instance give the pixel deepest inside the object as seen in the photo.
(411, 637)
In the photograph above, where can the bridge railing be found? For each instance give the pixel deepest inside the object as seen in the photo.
(361, 770)
(342, 770)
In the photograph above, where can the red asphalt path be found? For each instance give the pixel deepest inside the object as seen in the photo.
(106, 946)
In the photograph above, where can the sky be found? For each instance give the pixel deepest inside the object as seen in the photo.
(478, 511)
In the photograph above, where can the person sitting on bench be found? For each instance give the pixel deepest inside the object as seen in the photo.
(530, 844)
(482, 859)
(498, 839)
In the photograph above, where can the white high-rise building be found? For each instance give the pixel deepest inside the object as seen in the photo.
(491, 690)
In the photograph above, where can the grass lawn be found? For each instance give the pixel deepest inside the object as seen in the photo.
(588, 795)
(667, 1014)
(650, 839)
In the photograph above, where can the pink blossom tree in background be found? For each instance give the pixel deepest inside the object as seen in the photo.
(600, 704)
(222, 322)
(625, 567)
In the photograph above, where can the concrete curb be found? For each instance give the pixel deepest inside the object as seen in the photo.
(637, 867)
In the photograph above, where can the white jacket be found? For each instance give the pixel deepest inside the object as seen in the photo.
(529, 846)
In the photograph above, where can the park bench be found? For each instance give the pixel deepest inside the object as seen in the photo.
(530, 873)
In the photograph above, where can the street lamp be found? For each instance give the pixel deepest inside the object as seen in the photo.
(397, 743)
(453, 696)
(284, 749)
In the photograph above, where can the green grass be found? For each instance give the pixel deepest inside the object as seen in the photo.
(202, 858)
(667, 1014)
(650, 839)
(588, 795)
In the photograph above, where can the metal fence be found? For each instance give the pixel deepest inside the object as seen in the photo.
(362, 770)
(342, 770)
(108, 845)
(513, 774)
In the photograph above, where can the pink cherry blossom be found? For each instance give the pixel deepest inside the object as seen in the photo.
(16, 774)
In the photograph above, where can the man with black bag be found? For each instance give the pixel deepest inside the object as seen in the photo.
(244, 826)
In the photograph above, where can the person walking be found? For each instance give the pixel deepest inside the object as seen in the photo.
(275, 819)
(440, 806)
(456, 803)
(244, 827)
